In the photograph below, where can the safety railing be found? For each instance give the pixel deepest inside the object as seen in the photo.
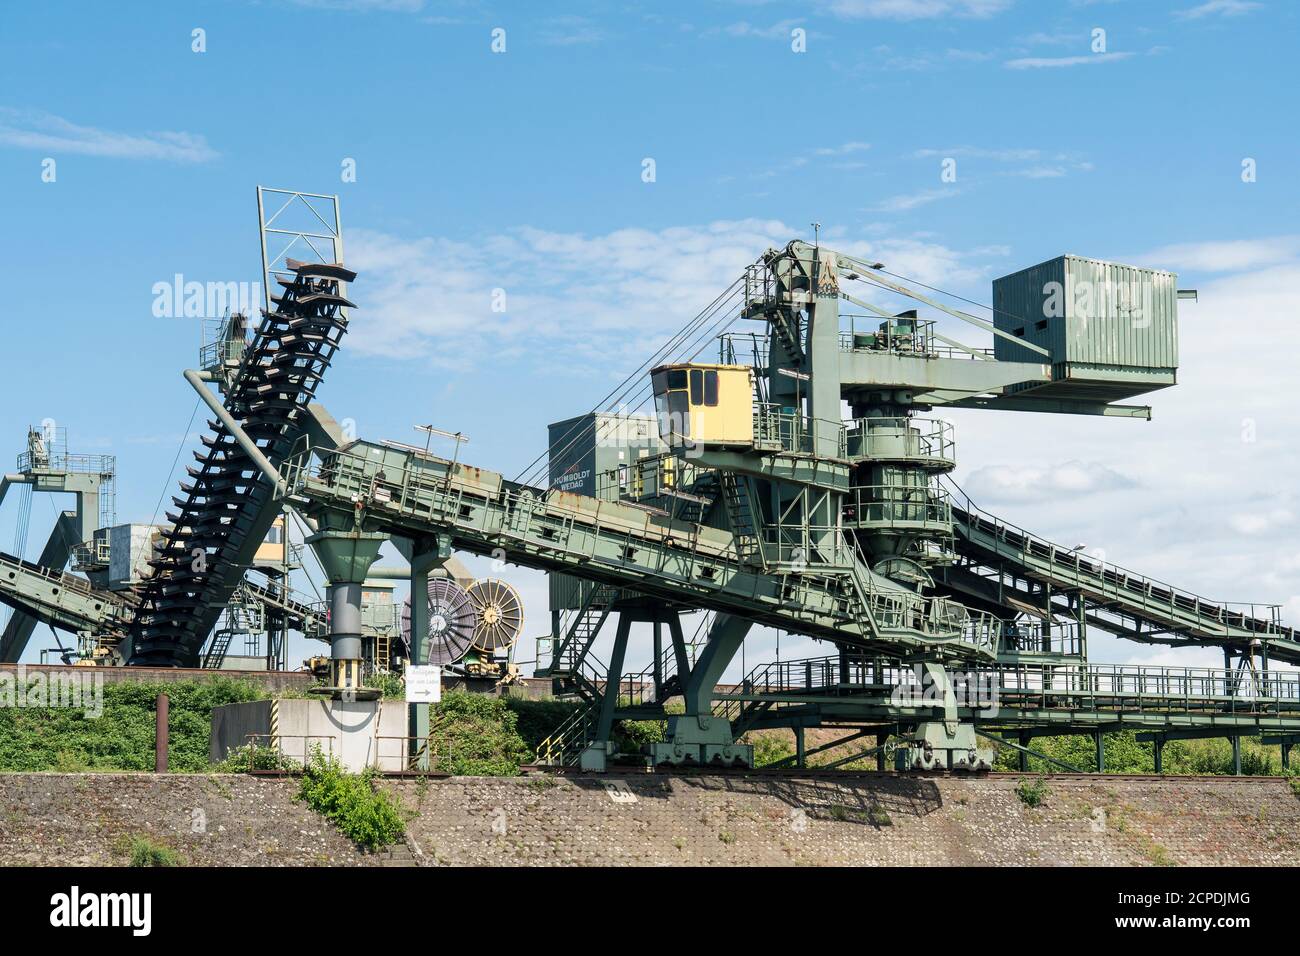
(1141, 591)
(63, 462)
(780, 429)
(1057, 638)
(1137, 682)
(296, 747)
(898, 507)
(924, 441)
(1045, 685)
(91, 555)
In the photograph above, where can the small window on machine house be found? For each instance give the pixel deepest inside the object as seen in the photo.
(711, 389)
(697, 387)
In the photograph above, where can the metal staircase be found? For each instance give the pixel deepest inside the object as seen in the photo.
(227, 505)
(740, 516)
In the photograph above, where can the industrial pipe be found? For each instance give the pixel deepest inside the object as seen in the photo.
(196, 379)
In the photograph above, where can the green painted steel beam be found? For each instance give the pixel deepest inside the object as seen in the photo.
(404, 491)
(62, 600)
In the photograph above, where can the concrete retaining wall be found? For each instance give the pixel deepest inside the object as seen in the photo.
(359, 734)
(866, 820)
(661, 820)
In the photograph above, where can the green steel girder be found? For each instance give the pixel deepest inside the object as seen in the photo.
(59, 599)
(1074, 698)
(991, 543)
(54, 555)
(1036, 721)
(830, 474)
(405, 491)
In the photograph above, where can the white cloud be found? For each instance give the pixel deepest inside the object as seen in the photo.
(1051, 62)
(364, 6)
(1233, 255)
(912, 200)
(1035, 482)
(979, 152)
(777, 31)
(28, 129)
(571, 31)
(1221, 8)
(843, 149)
(1258, 522)
(601, 302)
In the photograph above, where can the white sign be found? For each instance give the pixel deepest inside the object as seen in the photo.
(423, 683)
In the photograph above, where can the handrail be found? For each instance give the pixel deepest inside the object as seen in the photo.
(1123, 577)
(1121, 680)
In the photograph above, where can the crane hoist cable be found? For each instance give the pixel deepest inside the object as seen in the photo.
(621, 391)
(681, 333)
(643, 392)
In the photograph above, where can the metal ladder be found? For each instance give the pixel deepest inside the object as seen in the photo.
(740, 516)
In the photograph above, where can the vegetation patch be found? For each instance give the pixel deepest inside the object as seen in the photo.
(141, 851)
(1032, 793)
(368, 817)
(34, 739)
(1127, 755)
(476, 735)
(252, 757)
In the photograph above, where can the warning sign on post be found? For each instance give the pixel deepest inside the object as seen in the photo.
(423, 683)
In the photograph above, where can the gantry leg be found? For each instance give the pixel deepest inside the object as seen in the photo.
(698, 735)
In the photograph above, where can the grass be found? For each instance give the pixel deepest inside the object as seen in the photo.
(1032, 793)
(141, 851)
(369, 818)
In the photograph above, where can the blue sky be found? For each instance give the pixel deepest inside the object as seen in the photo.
(522, 170)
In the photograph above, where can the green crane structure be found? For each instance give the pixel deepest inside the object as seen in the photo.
(765, 506)
(46, 466)
(769, 508)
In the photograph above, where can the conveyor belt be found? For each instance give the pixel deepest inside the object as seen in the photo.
(1132, 605)
(226, 504)
(62, 600)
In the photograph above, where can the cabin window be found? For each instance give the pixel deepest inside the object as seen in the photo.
(711, 388)
(676, 379)
(697, 387)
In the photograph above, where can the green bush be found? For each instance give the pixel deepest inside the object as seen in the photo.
(122, 737)
(1126, 754)
(252, 757)
(367, 817)
(535, 720)
(476, 735)
(770, 749)
(141, 851)
(1032, 793)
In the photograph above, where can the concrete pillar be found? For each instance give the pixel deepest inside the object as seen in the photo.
(1286, 756)
(1159, 747)
(1236, 756)
(1100, 740)
(800, 756)
(1024, 757)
